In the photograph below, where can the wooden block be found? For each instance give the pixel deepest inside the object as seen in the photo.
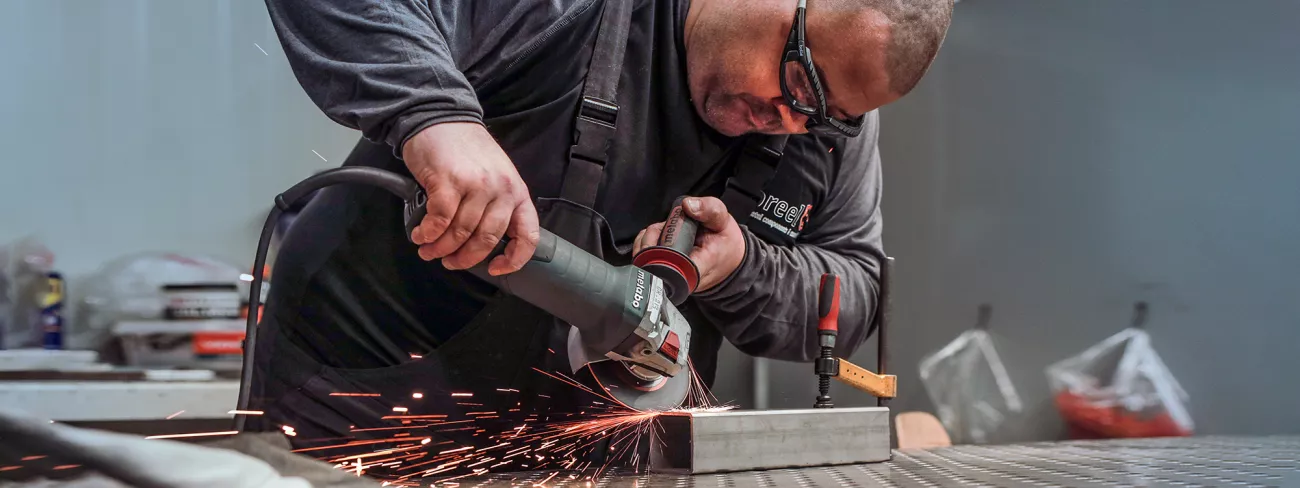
(882, 386)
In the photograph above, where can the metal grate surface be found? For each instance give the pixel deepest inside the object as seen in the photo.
(1190, 462)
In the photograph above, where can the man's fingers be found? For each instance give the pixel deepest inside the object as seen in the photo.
(524, 233)
(709, 211)
(490, 229)
(462, 227)
(636, 243)
(650, 236)
(441, 209)
(705, 247)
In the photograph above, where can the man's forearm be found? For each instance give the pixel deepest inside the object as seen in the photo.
(769, 306)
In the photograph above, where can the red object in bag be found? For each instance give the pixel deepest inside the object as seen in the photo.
(1120, 388)
(1088, 420)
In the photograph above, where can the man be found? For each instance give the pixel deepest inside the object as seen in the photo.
(479, 101)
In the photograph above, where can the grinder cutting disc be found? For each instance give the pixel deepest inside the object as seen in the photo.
(626, 383)
(620, 381)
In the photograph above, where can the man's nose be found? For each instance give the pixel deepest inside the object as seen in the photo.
(792, 122)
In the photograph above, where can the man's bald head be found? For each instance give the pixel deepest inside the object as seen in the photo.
(867, 53)
(916, 30)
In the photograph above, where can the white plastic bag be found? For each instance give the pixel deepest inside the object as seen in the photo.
(1120, 388)
(969, 386)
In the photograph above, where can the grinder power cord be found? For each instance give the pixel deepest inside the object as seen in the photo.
(626, 331)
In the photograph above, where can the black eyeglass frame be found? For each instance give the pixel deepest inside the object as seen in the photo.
(796, 49)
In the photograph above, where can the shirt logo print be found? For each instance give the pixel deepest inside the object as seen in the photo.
(782, 216)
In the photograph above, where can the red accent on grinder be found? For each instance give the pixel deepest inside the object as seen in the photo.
(669, 257)
(671, 347)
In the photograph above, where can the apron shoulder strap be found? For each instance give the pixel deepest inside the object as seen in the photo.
(755, 166)
(593, 130)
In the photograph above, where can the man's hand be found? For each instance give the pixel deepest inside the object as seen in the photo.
(475, 197)
(719, 244)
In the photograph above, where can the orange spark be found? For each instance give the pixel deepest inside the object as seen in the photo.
(388, 428)
(503, 444)
(417, 395)
(244, 412)
(390, 417)
(354, 394)
(66, 466)
(33, 458)
(172, 416)
(548, 478)
(462, 394)
(353, 443)
(477, 471)
(399, 409)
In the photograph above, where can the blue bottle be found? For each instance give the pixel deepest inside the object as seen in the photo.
(52, 312)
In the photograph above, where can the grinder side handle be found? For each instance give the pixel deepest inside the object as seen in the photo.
(670, 257)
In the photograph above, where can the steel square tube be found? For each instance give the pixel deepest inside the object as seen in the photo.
(719, 442)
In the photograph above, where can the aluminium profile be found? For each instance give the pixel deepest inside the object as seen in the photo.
(719, 442)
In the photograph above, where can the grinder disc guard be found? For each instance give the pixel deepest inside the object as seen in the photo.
(616, 380)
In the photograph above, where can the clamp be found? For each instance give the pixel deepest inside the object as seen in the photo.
(827, 366)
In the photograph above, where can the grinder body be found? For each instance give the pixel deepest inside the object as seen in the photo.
(621, 313)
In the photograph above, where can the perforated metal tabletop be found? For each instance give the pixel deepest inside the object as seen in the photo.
(1189, 462)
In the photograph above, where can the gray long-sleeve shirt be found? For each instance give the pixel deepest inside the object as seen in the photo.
(390, 68)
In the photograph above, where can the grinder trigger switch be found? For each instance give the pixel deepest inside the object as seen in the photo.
(670, 258)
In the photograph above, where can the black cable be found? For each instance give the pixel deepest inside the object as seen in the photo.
(405, 188)
(254, 304)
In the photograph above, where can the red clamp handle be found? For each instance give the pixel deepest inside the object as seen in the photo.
(828, 304)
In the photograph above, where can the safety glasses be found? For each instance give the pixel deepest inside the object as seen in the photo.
(802, 87)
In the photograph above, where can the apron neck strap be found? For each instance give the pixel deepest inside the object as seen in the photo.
(593, 130)
(755, 166)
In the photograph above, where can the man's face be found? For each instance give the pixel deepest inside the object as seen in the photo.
(733, 68)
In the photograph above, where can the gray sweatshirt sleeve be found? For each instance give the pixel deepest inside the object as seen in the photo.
(384, 67)
(768, 306)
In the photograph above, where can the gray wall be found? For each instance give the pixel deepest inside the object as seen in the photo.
(132, 125)
(1065, 159)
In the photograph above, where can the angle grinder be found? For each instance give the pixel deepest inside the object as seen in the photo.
(627, 335)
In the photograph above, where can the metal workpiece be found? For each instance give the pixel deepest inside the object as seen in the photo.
(1174, 462)
(714, 442)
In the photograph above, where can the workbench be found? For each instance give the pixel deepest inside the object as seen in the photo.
(1183, 462)
(73, 401)
(137, 407)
